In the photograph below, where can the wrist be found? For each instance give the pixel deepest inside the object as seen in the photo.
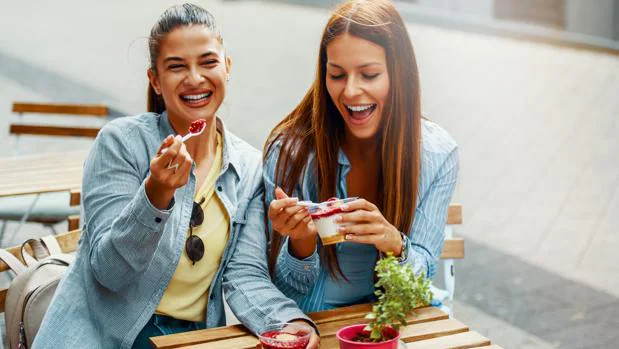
(302, 248)
(159, 196)
(397, 246)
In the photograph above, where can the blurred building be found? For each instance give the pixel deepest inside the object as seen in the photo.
(598, 18)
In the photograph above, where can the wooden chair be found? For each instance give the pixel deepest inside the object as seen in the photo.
(49, 208)
(100, 111)
(453, 249)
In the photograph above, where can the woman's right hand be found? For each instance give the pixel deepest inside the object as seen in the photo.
(290, 219)
(169, 170)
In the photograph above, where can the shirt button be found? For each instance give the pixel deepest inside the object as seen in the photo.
(220, 188)
(158, 220)
(212, 296)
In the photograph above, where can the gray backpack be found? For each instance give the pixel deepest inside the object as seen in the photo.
(32, 289)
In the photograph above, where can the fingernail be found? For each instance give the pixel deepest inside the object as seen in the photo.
(295, 200)
(341, 229)
(344, 207)
(348, 236)
(338, 218)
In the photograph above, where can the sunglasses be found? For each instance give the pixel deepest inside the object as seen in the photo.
(194, 246)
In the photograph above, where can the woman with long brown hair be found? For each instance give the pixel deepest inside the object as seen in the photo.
(358, 132)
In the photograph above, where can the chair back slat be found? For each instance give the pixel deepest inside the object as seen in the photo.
(453, 248)
(45, 130)
(70, 109)
(454, 214)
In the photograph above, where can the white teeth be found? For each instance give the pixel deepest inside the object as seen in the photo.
(359, 107)
(196, 97)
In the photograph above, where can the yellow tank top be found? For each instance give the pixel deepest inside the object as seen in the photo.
(186, 296)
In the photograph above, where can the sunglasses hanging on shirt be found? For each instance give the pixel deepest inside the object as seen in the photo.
(194, 246)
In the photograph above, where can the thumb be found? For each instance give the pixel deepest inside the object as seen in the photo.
(280, 194)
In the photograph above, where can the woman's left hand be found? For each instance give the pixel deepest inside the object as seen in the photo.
(365, 224)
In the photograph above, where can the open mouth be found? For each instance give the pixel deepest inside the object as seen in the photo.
(196, 99)
(360, 113)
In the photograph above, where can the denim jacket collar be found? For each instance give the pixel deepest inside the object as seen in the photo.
(230, 157)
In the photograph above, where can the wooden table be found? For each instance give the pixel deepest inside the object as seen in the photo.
(41, 173)
(428, 328)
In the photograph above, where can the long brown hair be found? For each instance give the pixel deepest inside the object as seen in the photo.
(315, 125)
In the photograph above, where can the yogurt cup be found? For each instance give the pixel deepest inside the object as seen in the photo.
(325, 217)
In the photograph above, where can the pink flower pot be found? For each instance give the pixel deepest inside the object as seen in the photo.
(346, 334)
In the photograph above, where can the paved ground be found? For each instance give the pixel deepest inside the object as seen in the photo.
(536, 124)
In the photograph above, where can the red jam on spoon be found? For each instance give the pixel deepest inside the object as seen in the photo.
(197, 126)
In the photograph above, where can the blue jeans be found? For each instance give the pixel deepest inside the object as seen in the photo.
(160, 325)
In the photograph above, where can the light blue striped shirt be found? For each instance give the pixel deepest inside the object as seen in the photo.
(305, 280)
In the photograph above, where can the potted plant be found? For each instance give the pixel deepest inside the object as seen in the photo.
(399, 292)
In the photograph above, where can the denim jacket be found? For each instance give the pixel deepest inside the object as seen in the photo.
(129, 249)
(304, 280)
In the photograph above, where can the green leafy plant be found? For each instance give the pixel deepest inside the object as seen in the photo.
(399, 292)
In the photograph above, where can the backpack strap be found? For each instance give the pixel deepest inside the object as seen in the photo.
(15, 264)
(37, 248)
(52, 245)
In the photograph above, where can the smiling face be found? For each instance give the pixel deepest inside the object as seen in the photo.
(191, 75)
(358, 83)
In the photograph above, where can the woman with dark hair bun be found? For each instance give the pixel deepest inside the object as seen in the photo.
(170, 220)
(358, 132)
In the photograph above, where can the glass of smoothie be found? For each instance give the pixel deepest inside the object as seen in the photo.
(286, 336)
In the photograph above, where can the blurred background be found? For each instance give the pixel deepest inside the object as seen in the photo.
(529, 89)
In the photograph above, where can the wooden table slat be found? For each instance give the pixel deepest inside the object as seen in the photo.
(199, 336)
(41, 173)
(457, 341)
(427, 330)
(245, 342)
(351, 312)
(410, 333)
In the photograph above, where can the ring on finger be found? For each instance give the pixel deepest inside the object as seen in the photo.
(172, 167)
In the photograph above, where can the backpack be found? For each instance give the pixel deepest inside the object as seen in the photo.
(32, 289)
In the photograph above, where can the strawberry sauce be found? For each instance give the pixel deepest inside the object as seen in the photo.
(197, 126)
(279, 343)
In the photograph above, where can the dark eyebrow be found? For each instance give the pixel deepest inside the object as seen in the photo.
(179, 59)
(209, 53)
(361, 66)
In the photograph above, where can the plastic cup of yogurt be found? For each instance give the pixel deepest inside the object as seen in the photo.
(325, 217)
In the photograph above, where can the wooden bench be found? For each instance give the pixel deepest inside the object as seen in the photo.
(93, 110)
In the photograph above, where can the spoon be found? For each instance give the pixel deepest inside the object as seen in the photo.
(195, 129)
